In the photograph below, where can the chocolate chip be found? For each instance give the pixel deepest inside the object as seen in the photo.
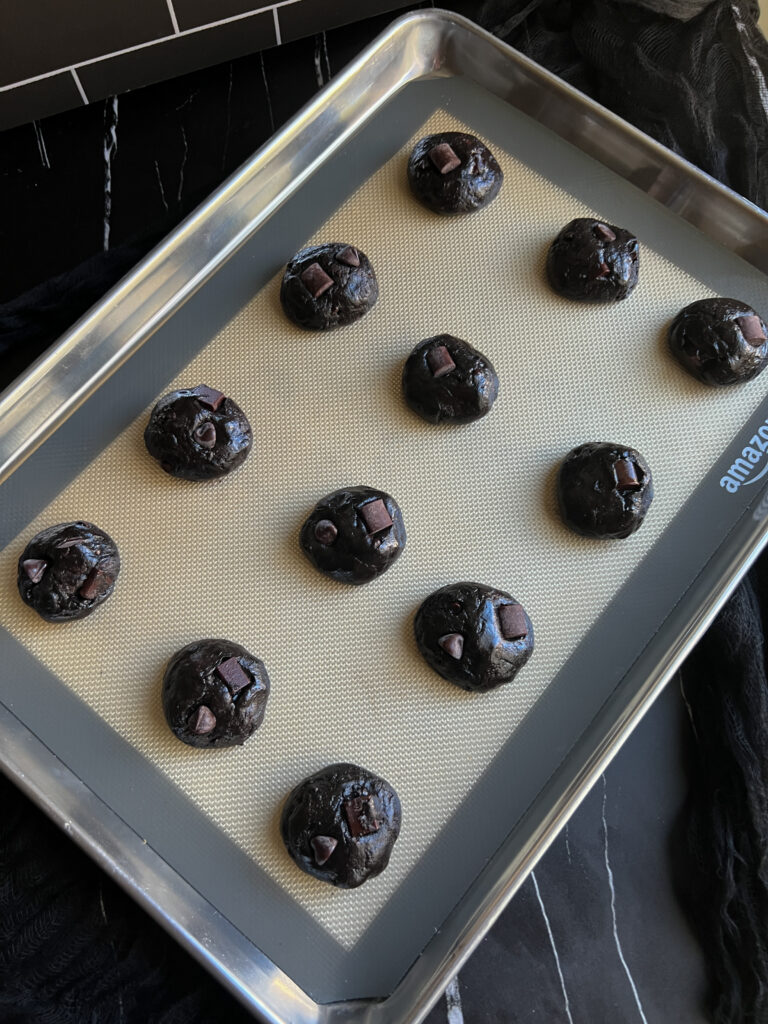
(752, 329)
(205, 435)
(361, 816)
(68, 542)
(604, 270)
(233, 674)
(323, 847)
(453, 644)
(209, 397)
(202, 721)
(315, 280)
(34, 568)
(444, 158)
(326, 531)
(626, 475)
(439, 361)
(512, 621)
(96, 584)
(349, 256)
(375, 516)
(604, 232)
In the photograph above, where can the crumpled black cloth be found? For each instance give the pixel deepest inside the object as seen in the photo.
(692, 75)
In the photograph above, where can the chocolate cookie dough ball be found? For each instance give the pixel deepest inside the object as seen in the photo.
(474, 636)
(453, 173)
(198, 434)
(68, 570)
(445, 379)
(328, 286)
(354, 535)
(719, 341)
(604, 490)
(214, 694)
(590, 261)
(340, 824)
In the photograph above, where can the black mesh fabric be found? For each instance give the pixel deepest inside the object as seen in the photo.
(73, 948)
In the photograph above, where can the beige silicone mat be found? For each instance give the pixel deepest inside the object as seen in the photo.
(222, 559)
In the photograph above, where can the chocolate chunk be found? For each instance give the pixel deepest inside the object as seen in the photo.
(375, 516)
(68, 542)
(202, 721)
(604, 232)
(626, 475)
(752, 329)
(326, 532)
(205, 435)
(34, 568)
(439, 361)
(233, 674)
(97, 584)
(350, 257)
(512, 621)
(604, 270)
(209, 397)
(361, 816)
(315, 280)
(323, 847)
(453, 644)
(444, 158)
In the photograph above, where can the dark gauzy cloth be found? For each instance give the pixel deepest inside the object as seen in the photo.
(692, 75)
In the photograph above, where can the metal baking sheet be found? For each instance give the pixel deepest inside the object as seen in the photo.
(603, 648)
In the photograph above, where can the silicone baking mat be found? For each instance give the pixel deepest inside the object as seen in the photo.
(222, 559)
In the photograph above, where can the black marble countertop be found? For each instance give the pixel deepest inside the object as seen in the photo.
(595, 934)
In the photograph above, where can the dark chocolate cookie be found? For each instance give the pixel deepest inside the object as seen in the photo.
(473, 635)
(340, 824)
(444, 378)
(590, 261)
(198, 434)
(68, 570)
(354, 535)
(453, 173)
(604, 490)
(328, 286)
(214, 693)
(719, 341)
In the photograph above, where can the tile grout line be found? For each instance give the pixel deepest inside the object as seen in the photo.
(151, 42)
(79, 85)
(172, 14)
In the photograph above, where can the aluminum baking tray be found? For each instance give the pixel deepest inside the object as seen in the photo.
(612, 624)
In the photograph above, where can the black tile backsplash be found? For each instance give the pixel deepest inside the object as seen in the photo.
(57, 54)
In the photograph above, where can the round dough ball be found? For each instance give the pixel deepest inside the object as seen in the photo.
(591, 261)
(214, 693)
(327, 286)
(719, 341)
(68, 570)
(198, 434)
(473, 635)
(354, 535)
(445, 379)
(340, 824)
(604, 490)
(452, 172)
